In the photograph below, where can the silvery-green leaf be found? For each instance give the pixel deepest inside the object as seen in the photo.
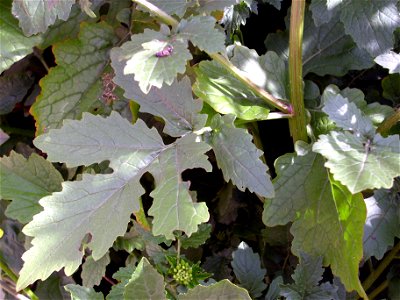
(390, 60)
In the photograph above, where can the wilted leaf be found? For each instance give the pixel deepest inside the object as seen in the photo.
(74, 84)
(145, 283)
(247, 267)
(321, 210)
(220, 290)
(37, 16)
(25, 182)
(239, 162)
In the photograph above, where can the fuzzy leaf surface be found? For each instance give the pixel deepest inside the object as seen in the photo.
(321, 210)
(71, 88)
(173, 103)
(306, 278)
(383, 221)
(239, 162)
(326, 49)
(123, 275)
(390, 61)
(25, 182)
(225, 94)
(37, 16)
(94, 270)
(198, 238)
(145, 283)
(371, 24)
(208, 6)
(173, 7)
(201, 32)
(83, 293)
(139, 57)
(223, 289)
(14, 44)
(83, 207)
(246, 265)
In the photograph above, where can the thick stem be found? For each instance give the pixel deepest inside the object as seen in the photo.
(298, 123)
(382, 266)
(238, 74)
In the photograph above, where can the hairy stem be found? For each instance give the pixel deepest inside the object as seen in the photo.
(298, 123)
(382, 266)
(238, 74)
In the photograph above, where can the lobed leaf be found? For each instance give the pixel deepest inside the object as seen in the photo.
(37, 16)
(74, 85)
(145, 283)
(14, 44)
(239, 162)
(220, 290)
(25, 182)
(246, 266)
(123, 275)
(383, 222)
(321, 210)
(198, 238)
(94, 270)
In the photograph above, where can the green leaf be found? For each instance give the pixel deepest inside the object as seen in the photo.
(145, 283)
(173, 103)
(173, 7)
(14, 45)
(225, 94)
(239, 162)
(83, 207)
(236, 15)
(173, 208)
(275, 3)
(371, 24)
(274, 288)
(321, 210)
(82, 293)
(390, 61)
(207, 6)
(52, 288)
(201, 32)
(324, 10)
(220, 290)
(94, 270)
(198, 238)
(246, 266)
(326, 48)
(306, 278)
(383, 221)
(267, 71)
(139, 57)
(37, 16)
(391, 87)
(25, 182)
(74, 85)
(123, 275)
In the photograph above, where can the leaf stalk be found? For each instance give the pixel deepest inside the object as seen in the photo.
(298, 123)
(238, 74)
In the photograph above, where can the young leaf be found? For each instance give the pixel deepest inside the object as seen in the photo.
(14, 45)
(200, 31)
(37, 16)
(123, 275)
(246, 265)
(274, 289)
(383, 221)
(94, 270)
(239, 162)
(220, 290)
(321, 210)
(326, 49)
(372, 25)
(173, 103)
(306, 278)
(139, 57)
(225, 94)
(25, 181)
(83, 207)
(389, 60)
(145, 283)
(74, 84)
(83, 293)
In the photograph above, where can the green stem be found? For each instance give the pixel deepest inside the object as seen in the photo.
(388, 123)
(378, 290)
(382, 266)
(238, 74)
(298, 123)
(13, 277)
